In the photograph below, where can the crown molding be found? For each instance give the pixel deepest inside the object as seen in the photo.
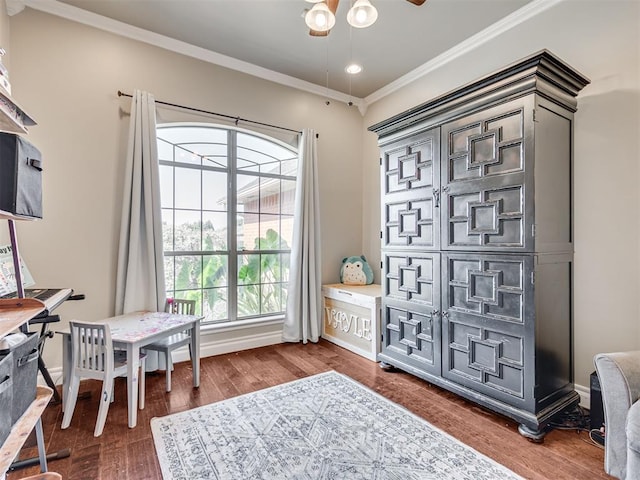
(14, 7)
(84, 17)
(75, 14)
(530, 10)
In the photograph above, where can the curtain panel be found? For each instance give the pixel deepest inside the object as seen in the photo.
(140, 274)
(303, 315)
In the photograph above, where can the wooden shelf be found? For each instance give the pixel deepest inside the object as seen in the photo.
(23, 427)
(13, 118)
(17, 311)
(4, 215)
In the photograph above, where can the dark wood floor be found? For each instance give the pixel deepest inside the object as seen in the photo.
(123, 453)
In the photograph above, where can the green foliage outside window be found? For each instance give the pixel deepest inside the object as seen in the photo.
(262, 277)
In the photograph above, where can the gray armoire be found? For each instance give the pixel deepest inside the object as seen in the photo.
(477, 240)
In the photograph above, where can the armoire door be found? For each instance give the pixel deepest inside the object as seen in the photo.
(488, 333)
(411, 309)
(487, 180)
(411, 192)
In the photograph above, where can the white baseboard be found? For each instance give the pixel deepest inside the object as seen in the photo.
(585, 395)
(213, 347)
(209, 346)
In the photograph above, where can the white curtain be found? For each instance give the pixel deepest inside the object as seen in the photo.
(304, 302)
(140, 275)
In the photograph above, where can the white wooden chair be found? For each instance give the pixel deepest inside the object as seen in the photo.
(169, 344)
(93, 356)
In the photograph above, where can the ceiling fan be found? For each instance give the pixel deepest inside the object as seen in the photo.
(332, 6)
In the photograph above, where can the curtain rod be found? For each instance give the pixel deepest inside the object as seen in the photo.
(237, 119)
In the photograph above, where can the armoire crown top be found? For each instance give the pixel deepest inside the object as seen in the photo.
(542, 73)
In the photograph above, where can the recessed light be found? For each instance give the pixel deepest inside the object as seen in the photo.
(353, 69)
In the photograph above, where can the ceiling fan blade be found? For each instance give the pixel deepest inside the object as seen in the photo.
(333, 6)
(417, 2)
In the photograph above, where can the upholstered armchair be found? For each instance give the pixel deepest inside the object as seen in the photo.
(619, 376)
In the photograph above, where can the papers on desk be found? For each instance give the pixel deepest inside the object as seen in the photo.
(7, 272)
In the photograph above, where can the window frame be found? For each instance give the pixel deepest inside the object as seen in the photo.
(232, 253)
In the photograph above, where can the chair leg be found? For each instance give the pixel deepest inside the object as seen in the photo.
(72, 397)
(141, 383)
(169, 368)
(105, 400)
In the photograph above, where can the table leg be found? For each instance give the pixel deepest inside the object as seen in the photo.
(133, 368)
(195, 353)
(66, 367)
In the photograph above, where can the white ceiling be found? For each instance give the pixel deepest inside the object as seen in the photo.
(272, 34)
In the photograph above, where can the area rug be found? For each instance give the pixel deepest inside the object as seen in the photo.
(322, 427)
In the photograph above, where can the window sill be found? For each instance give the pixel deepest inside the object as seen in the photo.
(241, 324)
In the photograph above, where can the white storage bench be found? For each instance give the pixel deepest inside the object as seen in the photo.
(351, 317)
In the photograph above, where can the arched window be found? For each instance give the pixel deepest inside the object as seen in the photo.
(227, 219)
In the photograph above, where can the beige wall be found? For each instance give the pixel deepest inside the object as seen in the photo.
(66, 76)
(601, 40)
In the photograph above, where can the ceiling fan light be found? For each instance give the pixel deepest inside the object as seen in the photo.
(362, 14)
(320, 18)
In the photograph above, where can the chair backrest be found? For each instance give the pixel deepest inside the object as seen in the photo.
(91, 348)
(180, 306)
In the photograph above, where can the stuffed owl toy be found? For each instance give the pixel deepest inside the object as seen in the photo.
(356, 271)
